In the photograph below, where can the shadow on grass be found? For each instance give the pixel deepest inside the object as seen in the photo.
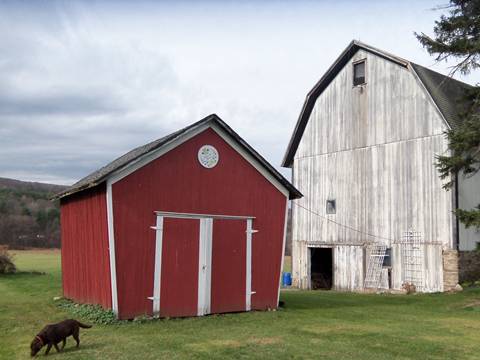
(22, 273)
(318, 299)
(72, 349)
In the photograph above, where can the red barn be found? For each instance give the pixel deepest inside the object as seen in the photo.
(190, 224)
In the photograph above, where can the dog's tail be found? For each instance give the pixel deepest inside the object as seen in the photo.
(83, 325)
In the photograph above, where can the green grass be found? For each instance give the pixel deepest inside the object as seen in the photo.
(316, 325)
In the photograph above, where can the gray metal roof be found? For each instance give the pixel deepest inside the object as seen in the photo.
(447, 93)
(101, 175)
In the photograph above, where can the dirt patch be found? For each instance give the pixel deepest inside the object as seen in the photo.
(472, 304)
(225, 343)
(471, 324)
(347, 328)
(265, 340)
(36, 251)
(207, 346)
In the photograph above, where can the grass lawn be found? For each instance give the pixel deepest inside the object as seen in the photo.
(316, 325)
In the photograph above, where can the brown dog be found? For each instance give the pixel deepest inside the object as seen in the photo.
(52, 334)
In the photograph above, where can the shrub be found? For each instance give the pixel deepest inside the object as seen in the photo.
(93, 313)
(6, 261)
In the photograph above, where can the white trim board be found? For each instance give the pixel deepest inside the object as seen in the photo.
(283, 250)
(111, 249)
(201, 216)
(155, 154)
(248, 266)
(205, 267)
(157, 280)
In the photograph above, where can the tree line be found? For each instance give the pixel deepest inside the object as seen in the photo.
(28, 218)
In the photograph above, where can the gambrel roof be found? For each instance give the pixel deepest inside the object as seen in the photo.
(447, 93)
(101, 175)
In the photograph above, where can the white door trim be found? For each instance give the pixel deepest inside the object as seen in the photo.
(248, 269)
(205, 267)
(157, 280)
(177, 215)
(204, 258)
(248, 265)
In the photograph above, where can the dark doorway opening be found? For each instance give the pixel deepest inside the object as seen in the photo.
(321, 270)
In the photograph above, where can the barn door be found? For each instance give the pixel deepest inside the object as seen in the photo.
(179, 268)
(229, 270)
(202, 264)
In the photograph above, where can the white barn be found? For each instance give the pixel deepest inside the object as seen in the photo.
(374, 213)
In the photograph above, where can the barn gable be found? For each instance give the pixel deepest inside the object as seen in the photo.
(140, 156)
(446, 94)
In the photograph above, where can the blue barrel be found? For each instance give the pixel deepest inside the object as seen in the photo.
(287, 279)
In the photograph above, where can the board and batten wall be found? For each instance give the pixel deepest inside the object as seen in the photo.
(371, 148)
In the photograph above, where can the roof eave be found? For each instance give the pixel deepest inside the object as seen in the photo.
(213, 118)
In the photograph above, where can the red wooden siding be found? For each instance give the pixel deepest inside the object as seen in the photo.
(228, 266)
(85, 258)
(177, 182)
(179, 289)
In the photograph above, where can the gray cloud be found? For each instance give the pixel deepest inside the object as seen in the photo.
(83, 82)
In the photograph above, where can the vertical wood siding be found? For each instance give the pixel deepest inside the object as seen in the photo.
(371, 148)
(468, 198)
(179, 283)
(228, 266)
(176, 182)
(85, 258)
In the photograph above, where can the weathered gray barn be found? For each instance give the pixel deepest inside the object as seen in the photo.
(363, 153)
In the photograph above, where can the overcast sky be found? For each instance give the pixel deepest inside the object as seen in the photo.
(83, 82)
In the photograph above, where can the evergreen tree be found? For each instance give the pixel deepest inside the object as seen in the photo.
(457, 37)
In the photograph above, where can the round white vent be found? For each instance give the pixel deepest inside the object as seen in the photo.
(208, 156)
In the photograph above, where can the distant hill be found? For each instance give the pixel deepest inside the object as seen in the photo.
(28, 218)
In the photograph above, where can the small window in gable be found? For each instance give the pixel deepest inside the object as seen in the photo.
(359, 73)
(331, 207)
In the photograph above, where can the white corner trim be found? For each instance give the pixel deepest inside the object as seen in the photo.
(283, 250)
(205, 267)
(248, 266)
(111, 249)
(250, 159)
(157, 278)
(153, 155)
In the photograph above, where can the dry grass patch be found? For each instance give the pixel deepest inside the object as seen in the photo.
(265, 340)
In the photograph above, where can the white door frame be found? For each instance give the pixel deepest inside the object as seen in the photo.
(204, 258)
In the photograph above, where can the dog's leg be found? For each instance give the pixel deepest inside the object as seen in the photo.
(76, 337)
(56, 347)
(48, 349)
(64, 342)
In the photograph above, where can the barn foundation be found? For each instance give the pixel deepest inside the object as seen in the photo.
(450, 269)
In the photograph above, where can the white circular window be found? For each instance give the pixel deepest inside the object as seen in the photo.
(208, 156)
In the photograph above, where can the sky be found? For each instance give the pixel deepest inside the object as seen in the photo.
(83, 82)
